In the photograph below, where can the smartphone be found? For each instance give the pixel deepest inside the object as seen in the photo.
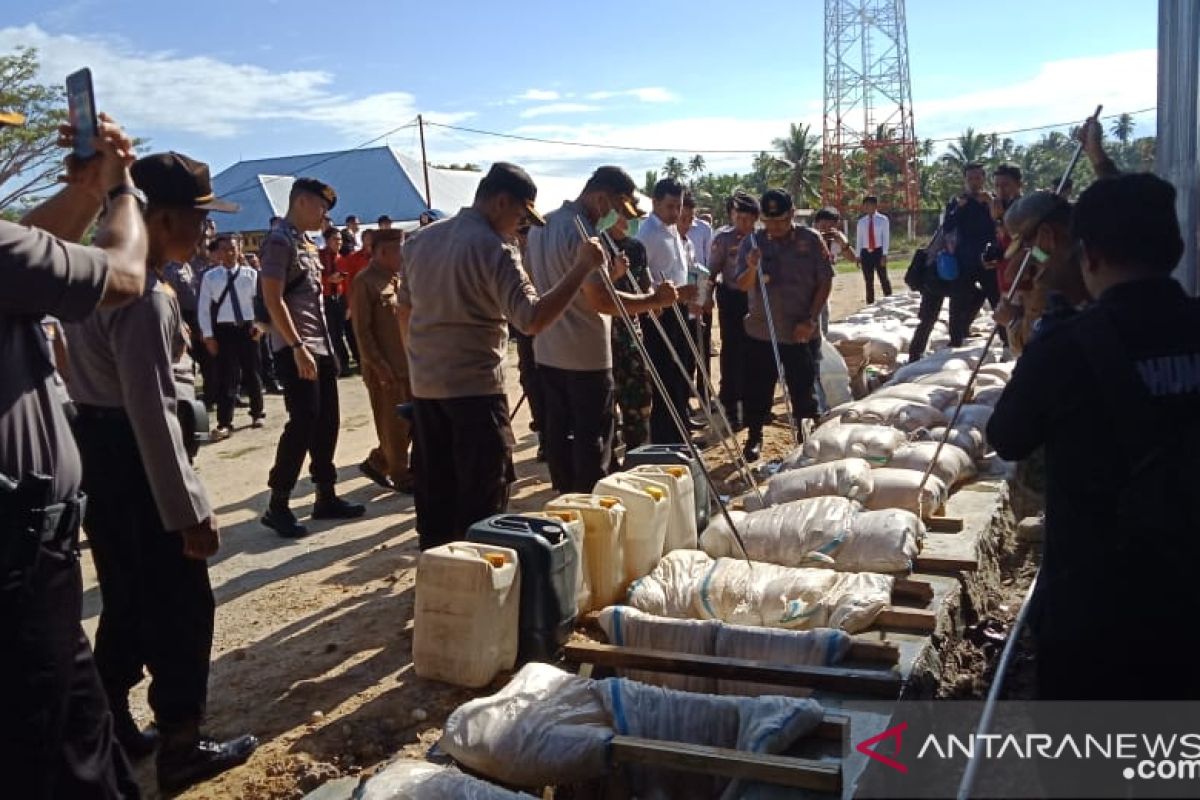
(81, 108)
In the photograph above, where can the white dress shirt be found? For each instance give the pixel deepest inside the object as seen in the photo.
(212, 286)
(701, 237)
(666, 255)
(883, 236)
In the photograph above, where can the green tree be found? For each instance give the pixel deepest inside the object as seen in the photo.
(30, 160)
(648, 182)
(799, 164)
(1122, 128)
(970, 147)
(673, 168)
(697, 166)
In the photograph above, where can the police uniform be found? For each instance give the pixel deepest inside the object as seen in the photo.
(373, 311)
(288, 255)
(634, 391)
(56, 736)
(158, 609)
(732, 306)
(797, 268)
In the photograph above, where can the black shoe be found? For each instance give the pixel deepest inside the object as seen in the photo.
(541, 455)
(753, 449)
(272, 387)
(283, 521)
(136, 743)
(204, 758)
(383, 480)
(336, 508)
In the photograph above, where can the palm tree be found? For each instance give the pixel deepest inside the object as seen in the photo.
(969, 149)
(650, 180)
(696, 166)
(673, 168)
(1122, 128)
(800, 160)
(925, 149)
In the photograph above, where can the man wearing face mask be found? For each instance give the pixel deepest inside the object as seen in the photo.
(574, 356)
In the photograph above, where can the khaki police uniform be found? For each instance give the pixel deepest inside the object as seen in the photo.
(374, 305)
(55, 726)
(732, 305)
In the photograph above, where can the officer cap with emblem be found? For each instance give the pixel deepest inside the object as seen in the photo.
(319, 188)
(616, 181)
(745, 203)
(514, 181)
(776, 204)
(1025, 215)
(172, 180)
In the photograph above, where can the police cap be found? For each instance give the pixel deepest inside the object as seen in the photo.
(745, 204)
(172, 180)
(319, 188)
(1025, 215)
(512, 180)
(776, 204)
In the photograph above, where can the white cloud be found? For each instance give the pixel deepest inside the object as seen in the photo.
(539, 95)
(557, 108)
(164, 91)
(649, 94)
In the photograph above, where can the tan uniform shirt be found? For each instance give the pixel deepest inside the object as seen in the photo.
(374, 300)
(464, 285)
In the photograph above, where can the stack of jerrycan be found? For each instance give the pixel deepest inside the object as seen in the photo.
(681, 455)
(603, 544)
(548, 559)
(572, 520)
(646, 512)
(681, 518)
(466, 613)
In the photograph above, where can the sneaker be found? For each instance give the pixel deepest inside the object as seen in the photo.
(220, 433)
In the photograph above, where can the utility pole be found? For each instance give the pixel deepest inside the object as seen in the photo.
(867, 80)
(424, 161)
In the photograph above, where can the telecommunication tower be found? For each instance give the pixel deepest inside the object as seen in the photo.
(868, 106)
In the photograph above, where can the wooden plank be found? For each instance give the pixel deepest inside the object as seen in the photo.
(882, 652)
(944, 524)
(932, 563)
(833, 728)
(908, 589)
(803, 773)
(873, 682)
(907, 619)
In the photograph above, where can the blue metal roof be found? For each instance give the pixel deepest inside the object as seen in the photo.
(369, 182)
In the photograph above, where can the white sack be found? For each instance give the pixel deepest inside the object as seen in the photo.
(897, 488)
(836, 440)
(420, 780)
(969, 440)
(846, 477)
(895, 412)
(954, 465)
(834, 375)
(822, 647)
(627, 627)
(952, 378)
(988, 396)
(689, 585)
(939, 397)
(1001, 369)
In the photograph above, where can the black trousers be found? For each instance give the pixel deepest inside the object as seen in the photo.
(462, 457)
(204, 361)
(677, 382)
(237, 365)
(701, 330)
(872, 265)
(312, 426)
(962, 310)
(266, 360)
(762, 376)
(158, 604)
(531, 383)
(732, 307)
(335, 318)
(579, 426)
(56, 734)
(989, 290)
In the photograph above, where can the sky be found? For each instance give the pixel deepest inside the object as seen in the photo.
(230, 80)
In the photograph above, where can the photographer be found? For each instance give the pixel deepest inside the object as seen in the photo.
(55, 726)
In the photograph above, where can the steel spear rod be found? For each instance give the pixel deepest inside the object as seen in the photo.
(760, 279)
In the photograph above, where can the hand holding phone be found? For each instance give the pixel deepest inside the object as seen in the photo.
(81, 110)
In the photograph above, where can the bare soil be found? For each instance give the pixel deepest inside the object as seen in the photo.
(312, 651)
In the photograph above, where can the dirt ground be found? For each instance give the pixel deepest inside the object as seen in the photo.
(312, 651)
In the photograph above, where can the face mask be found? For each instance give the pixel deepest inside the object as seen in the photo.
(1039, 255)
(607, 221)
(631, 227)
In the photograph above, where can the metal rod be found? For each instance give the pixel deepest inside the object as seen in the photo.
(517, 407)
(760, 278)
(424, 162)
(1012, 292)
(662, 388)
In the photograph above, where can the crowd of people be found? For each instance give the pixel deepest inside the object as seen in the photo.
(103, 406)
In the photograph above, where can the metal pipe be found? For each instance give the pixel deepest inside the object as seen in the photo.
(760, 278)
(662, 388)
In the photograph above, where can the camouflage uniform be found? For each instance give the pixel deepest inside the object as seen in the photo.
(634, 394)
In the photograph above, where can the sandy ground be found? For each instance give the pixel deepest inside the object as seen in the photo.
(313, 637)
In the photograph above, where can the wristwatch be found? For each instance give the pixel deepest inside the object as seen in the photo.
(127, 189)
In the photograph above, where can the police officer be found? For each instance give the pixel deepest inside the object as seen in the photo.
(461, 284)
(798, 273)
(56, 735)
(732, 303)
(373, 304)
(634, 390)
(1113, 395)
(149, 520)
(304, 360)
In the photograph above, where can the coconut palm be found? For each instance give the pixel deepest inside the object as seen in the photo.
(648, 184)
(696, 166)
(673, 168)
(1122, 128)
(799, 162)
(969, 148)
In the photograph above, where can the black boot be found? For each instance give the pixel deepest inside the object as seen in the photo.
(279, 517)
(187, 758)
(330, 506)
(753, 448)
(136, 743)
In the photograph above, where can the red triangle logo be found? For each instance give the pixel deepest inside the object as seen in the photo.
(895, 732)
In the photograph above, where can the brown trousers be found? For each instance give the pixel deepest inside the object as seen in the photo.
(395, 434)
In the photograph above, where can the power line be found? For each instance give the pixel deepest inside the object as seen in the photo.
(631, 148)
